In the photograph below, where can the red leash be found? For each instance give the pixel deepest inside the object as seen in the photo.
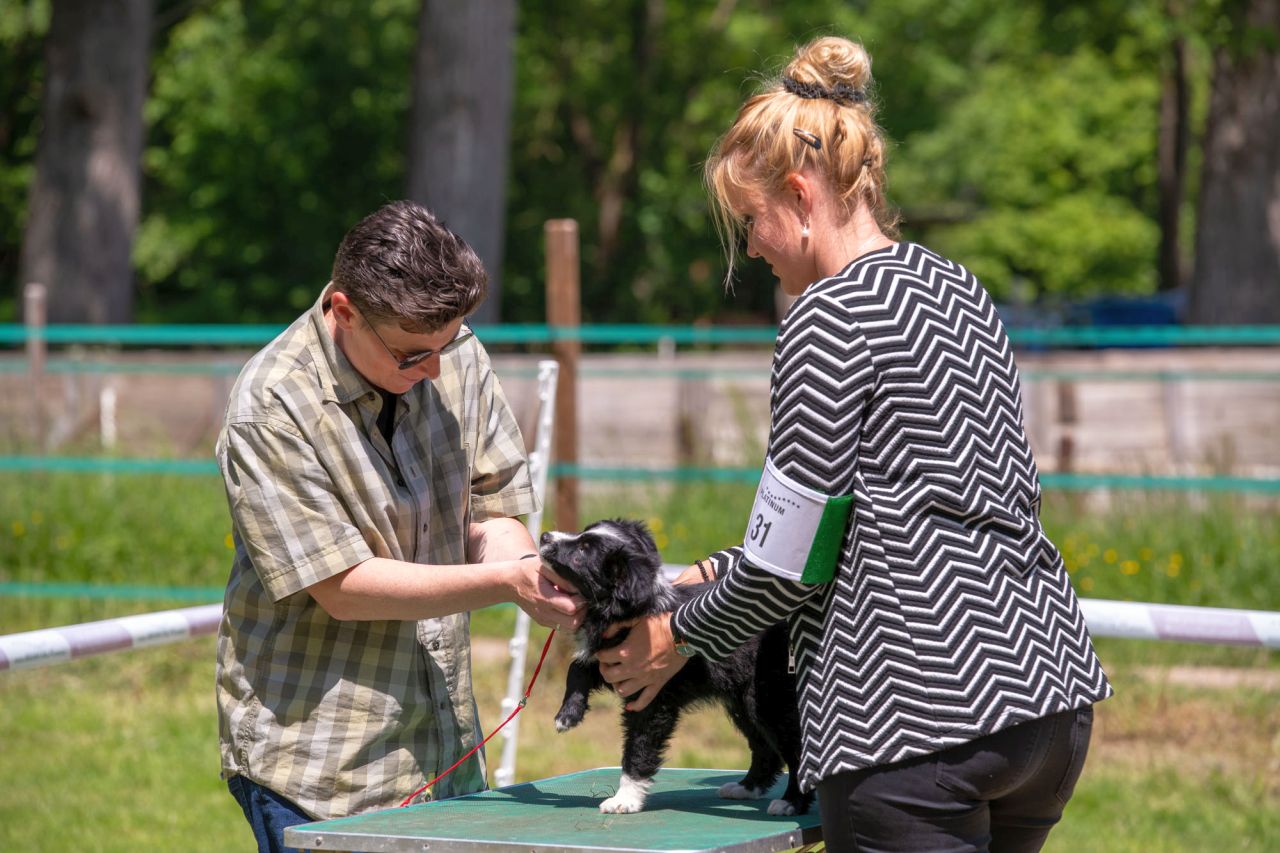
(523, 701)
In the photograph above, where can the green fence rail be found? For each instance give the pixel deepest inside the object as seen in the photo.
(106, 465)
(109, 592)
(655, 370)
(635, 474)
(210, 335)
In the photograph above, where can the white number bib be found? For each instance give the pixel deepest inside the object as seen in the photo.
(795, 532)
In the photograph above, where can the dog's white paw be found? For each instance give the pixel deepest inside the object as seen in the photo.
(736, 791)
(630, 797)
(622, 805)
(781, 808)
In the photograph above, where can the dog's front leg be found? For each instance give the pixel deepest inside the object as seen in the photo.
(581, 680)
(647, 734)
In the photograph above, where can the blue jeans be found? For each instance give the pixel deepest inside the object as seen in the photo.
(268, 813)
(1000, 793)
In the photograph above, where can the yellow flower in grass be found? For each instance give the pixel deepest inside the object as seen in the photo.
(230, 541)
(1086, 584)
(1173, 569)
(1110, 555)
(19, 529)
(1130, 567)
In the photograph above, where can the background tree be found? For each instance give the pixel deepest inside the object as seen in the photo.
(275, 125)
(459, 125)
(84, 204)
(617, 105)
(1034, 162)
(22, 30)
(1026, 141)
(1175, 140)
(1237, 272)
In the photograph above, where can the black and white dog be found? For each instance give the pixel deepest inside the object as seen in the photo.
(616, 567)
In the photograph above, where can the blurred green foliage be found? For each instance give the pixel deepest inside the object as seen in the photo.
(22, 27)
(274, 126)
(1025, 138)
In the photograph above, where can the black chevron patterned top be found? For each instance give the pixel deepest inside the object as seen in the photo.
(950, 615)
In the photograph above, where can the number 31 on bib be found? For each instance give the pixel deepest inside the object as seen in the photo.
(795, 532)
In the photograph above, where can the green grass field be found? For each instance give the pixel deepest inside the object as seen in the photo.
(120, 752)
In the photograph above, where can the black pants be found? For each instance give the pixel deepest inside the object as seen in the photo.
(1002, 792)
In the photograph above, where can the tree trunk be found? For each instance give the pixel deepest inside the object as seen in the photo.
(1172, 146)
(85, 198)
(1237, 273)
(459, 125)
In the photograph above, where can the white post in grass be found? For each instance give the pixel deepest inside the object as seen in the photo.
(539, 463)
(107, 416)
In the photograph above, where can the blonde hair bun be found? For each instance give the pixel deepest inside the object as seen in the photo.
(818, 115)
(831, 62)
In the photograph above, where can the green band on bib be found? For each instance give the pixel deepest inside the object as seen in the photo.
(827, 541)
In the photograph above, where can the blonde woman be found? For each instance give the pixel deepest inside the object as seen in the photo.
(945, 676)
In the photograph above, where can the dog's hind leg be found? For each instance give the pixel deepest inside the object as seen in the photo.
(792, 802)
(765, 762)
(581, 680)
(760, 776)
(646, 735)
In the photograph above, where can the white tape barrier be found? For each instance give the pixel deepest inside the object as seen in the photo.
(1139, 621)
(55, 645)
(1136, 620)
(1127, 619)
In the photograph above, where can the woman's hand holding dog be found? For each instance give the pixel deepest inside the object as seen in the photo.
(549, 599)
(642, 663)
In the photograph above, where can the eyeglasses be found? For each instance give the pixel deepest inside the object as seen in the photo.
(404, 362)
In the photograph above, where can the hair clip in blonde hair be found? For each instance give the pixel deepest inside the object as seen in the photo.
(808, 138)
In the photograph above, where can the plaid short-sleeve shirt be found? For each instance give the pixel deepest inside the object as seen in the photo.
(345, 717)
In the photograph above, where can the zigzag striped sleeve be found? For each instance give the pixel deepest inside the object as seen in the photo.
(822, 375)
(743, 603)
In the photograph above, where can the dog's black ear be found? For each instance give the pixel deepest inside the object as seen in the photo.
(637, 532)
(631, 576)
(632, 562)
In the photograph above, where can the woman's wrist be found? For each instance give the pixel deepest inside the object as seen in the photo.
(678, 641)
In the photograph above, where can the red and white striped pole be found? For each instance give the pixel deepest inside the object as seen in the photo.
(1132, 620)
(56, 645)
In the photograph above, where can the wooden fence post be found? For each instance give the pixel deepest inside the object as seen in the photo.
(34, 312)
(1068, 417)
(564, 313)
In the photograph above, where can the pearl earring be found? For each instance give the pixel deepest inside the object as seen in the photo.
(804, 232)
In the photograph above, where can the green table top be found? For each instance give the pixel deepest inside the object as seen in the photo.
(683, 812)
